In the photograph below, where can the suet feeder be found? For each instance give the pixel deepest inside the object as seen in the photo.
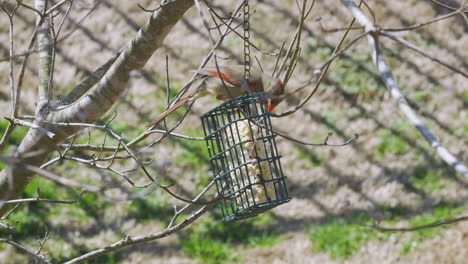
(244, 157)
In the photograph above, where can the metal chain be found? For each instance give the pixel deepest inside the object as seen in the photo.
(246, 40)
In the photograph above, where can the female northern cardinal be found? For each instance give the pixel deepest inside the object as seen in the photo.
(233, 77)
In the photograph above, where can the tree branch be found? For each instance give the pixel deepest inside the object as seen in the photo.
(98, 100)
(45, 44)
(89, 82)
(24, 249)
(395, 92)
(140, 239)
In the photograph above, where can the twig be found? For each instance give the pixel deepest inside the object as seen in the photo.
(18, 201)
(92, 8)
(24, 62)
(332, 30)
(157, 8)
(67, 12)
(343, 50)
(237, 33)
(140, 239)
(425, 23)
(207, 57)
(321, 76)
(43, 241)
(51, 176)
(24, 249)
(11, 77)
(39, 13)
(443, 5)
(323, 144)
(132, 143)
(422, 52)
(380, 228)
(178, 197)
(56, 6)
(20, 122)
(179, 212)
(111, 132)
(6, 135)
(395, 92)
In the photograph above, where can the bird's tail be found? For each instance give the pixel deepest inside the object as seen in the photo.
(171, 109)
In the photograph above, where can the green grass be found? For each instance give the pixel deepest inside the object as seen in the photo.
(330, 116)
(31, 218)
(427, 178)
(194, 153)
(313, 160)
(464, 96)
(420, 96)
(14, 139)
(17, 135)
(341, 238)
(353, 79)
(391, 142)
(440, 213)
(150, 208)
(213, 241)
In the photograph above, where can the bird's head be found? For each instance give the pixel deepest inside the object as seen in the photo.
(276, 94)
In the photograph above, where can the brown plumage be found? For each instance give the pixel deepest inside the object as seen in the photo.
(233, 77)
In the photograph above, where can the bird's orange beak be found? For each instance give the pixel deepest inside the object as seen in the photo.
(270, 107)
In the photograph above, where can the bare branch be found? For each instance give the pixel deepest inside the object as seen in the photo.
(56, 6)
(9, 130)
(20, 122)
(18, 201)
(11, 77)
(320, 78)
(24, 249)
(38, 12)
(183, 209)
(140, 239)
(211, 9)
(207, 57)
(437, 19)
(416, 228)
(395, 92)
(443, 5)
(422, 52)
(51, 176)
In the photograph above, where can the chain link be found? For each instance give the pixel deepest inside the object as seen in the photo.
(246, 40)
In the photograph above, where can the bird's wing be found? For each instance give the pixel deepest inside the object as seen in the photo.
(228, 74)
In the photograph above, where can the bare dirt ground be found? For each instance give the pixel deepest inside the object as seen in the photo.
(381, 170)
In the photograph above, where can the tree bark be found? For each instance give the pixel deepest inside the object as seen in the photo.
(95, 103)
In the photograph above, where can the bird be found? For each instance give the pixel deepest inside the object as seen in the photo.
(233, 85)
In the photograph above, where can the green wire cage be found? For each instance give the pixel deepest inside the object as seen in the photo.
(244, 157)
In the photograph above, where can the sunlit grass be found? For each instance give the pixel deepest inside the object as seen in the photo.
(214, 241)
(341, 238)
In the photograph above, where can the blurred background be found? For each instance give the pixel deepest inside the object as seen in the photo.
(389, 173)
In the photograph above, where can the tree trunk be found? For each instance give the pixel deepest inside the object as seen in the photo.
(94, 104)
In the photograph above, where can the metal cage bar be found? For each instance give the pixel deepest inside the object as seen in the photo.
(244, 157)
